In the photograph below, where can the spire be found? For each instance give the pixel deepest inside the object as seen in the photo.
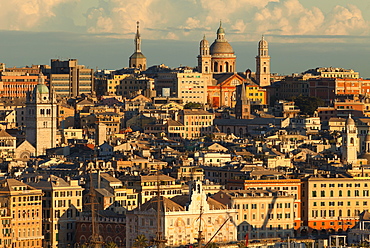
(220, 32)
(41, 79)
(137, 38)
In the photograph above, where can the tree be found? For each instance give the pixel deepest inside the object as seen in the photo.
(111, 245)
(308, 104)
(141, 241)
(193, 105)
(212, 245)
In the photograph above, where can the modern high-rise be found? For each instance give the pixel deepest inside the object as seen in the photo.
(68, 79)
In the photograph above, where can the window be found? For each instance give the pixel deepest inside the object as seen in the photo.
(314, 194)
(322, 193)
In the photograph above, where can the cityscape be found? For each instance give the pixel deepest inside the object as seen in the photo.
(150, 155)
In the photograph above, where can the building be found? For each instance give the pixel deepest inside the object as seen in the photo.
(197, 123)
(179, 219)
(24, 204)
(186, 84)
(333, 203)
(62, 203)
(16, 84)
(261, 213)
(332, 72)
(290, 186)
(137, 59)
(68, 79)
(147, 186)
(350, 142)
(263, 64)
(219, 58)
(41, 121)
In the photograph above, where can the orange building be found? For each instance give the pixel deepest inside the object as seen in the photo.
(17, 84)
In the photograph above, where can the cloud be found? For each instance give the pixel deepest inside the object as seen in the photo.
(243, 20)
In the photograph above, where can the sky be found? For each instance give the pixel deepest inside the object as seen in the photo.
(302, 34)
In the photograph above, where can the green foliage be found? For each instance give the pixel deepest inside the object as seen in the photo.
(308, 104)
(111, 245)
(212, 245)
(141, 241)
(193, 105)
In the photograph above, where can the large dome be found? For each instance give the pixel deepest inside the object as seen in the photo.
(221, 47)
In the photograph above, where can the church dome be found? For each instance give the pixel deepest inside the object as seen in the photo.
(204, 42)
(263, 43)
(41, 89)
(221, 47)
(350, 121)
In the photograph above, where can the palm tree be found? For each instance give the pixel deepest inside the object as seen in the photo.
(212, 245)
(111, 245)
(141, 241)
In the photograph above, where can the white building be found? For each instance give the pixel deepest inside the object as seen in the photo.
(180, 219)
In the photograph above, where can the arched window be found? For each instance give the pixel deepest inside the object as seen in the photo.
(227, 66)
(352, 141)
(215, 67)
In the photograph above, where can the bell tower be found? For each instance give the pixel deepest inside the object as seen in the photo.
(137, 59)
(350, 142)
(263, 64)
(41, 121)
(204, 57)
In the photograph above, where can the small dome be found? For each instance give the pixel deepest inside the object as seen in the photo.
(204, 42)
(221, 47)
(350, 121)
(220, 30)
(41, 88)
(263, 43)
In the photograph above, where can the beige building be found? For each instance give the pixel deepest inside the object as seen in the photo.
(62, 203)
(261, 213)
(147, 186)
(24, 205)
(186, 84)
(197, 123)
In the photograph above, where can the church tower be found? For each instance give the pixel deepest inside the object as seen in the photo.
(263, 63)
(204, 57)
(242, 106)
(137, 59)
(41, 122)
(350, 142)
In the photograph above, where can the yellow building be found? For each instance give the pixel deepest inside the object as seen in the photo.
(6, 238)
(62, 203)
(256, 93)
(147, 186)
(334, 204)
(261, 213)
(24, 204)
